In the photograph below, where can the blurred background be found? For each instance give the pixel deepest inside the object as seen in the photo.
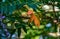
(13, 15)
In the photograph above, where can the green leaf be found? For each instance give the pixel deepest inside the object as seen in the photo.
(24, 28)
(41, 26)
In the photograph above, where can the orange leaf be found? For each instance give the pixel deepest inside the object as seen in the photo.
(35, 20)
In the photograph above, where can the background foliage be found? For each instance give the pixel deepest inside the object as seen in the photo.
(13, 9)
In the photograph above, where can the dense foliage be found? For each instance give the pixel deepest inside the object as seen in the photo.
(13, 10)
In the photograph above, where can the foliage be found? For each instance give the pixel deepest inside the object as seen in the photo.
(13, 9)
